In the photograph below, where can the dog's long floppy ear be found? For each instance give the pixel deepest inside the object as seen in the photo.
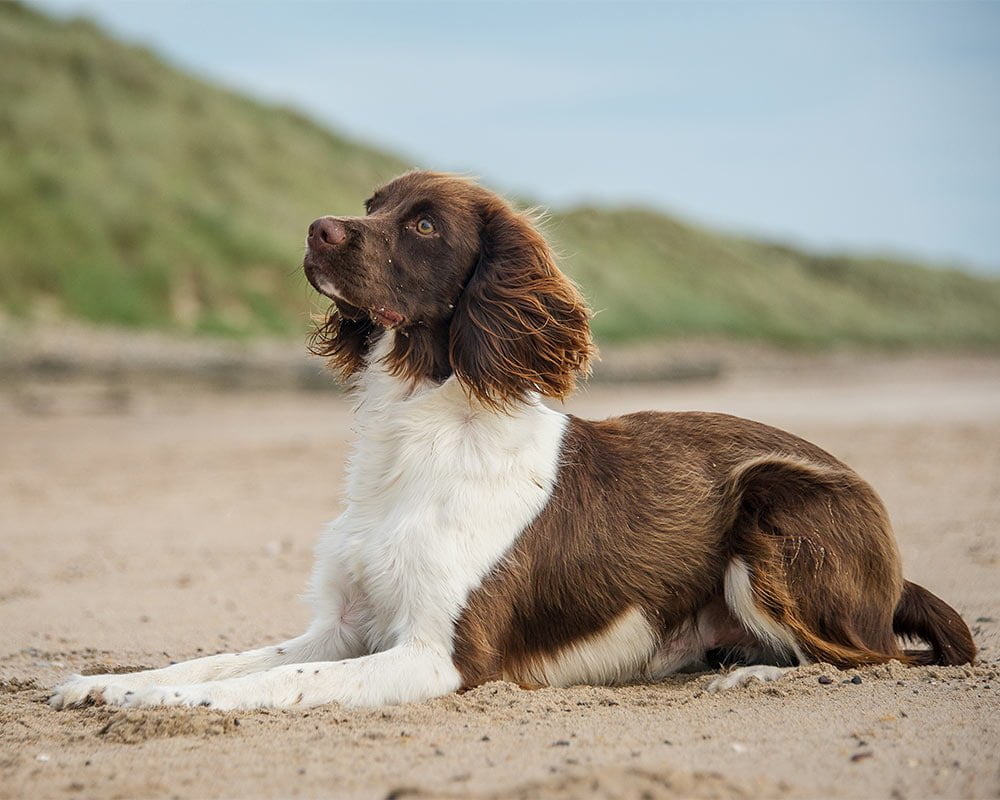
(343, 337)
(520, 325)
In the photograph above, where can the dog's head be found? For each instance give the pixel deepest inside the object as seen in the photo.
(468, 284)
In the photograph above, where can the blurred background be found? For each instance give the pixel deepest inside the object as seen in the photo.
(788, 174)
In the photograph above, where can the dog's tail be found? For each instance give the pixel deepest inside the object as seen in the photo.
(925, 616)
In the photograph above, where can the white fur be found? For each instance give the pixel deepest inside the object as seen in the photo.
(617, 654)
(438, 489)
(739, 598)
(685, 647)
(741, 676)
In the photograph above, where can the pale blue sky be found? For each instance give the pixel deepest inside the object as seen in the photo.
(869, 126)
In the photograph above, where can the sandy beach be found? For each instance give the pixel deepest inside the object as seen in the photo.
(154, 525)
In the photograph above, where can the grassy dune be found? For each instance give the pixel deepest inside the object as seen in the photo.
(133, 194)
(649, 275)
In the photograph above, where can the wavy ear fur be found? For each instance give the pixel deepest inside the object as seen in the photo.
(520, 325)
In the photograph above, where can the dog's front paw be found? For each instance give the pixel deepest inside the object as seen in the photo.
(202, 695)
(112, 689)
(77, 690)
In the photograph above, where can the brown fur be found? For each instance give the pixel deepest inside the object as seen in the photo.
(343, 340)
(481, 299)
(520, 326)
(922, 615)
(649, 509)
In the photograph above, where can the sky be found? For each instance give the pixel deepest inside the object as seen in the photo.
(871, 126)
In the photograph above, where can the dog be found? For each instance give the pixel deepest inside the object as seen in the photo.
(486, 536)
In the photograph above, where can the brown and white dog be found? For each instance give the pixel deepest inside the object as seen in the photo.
(486, 536)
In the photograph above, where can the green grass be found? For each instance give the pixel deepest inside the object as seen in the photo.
(133, 194)
(652, 277)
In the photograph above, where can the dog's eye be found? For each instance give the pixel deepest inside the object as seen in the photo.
(425, 227)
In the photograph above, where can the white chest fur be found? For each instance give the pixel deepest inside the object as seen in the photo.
(437, 491)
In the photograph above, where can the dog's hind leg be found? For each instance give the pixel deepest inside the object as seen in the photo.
(776, 643)
(742, 676)
(815, 573)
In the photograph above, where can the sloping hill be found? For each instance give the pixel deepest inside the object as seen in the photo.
(651, 275)
(134, 194)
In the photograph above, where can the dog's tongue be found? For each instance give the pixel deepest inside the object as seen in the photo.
(387, 317)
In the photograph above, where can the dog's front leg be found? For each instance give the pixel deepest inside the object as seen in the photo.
(324, 641)
(404, 674)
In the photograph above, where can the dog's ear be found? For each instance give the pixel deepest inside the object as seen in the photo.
(343, 337)
(520, 325)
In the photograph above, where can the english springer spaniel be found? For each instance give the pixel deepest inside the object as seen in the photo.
(486, 536)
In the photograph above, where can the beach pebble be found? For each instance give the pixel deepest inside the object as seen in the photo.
(825, 680)
(856, 680)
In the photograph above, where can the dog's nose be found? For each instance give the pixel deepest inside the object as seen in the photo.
(327, 232)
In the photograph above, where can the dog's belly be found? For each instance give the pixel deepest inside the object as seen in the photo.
(630, 648)
(619, 653)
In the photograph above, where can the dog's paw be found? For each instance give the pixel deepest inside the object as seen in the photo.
(111, 689)
(78, 690)
(741, 676)
(204, 695)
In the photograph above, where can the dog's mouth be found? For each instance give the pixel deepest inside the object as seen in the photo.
(319, 280)
(327, 288)
(386, 317)
(379, 314)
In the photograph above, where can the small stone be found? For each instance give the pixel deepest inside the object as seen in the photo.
(862, 756)
(560, 743)
(825, 680)
(856, 680)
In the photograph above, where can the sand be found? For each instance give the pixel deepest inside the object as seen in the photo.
(161, 525)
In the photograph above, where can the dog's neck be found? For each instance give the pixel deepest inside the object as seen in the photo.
(394, 413)
(380, 392)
